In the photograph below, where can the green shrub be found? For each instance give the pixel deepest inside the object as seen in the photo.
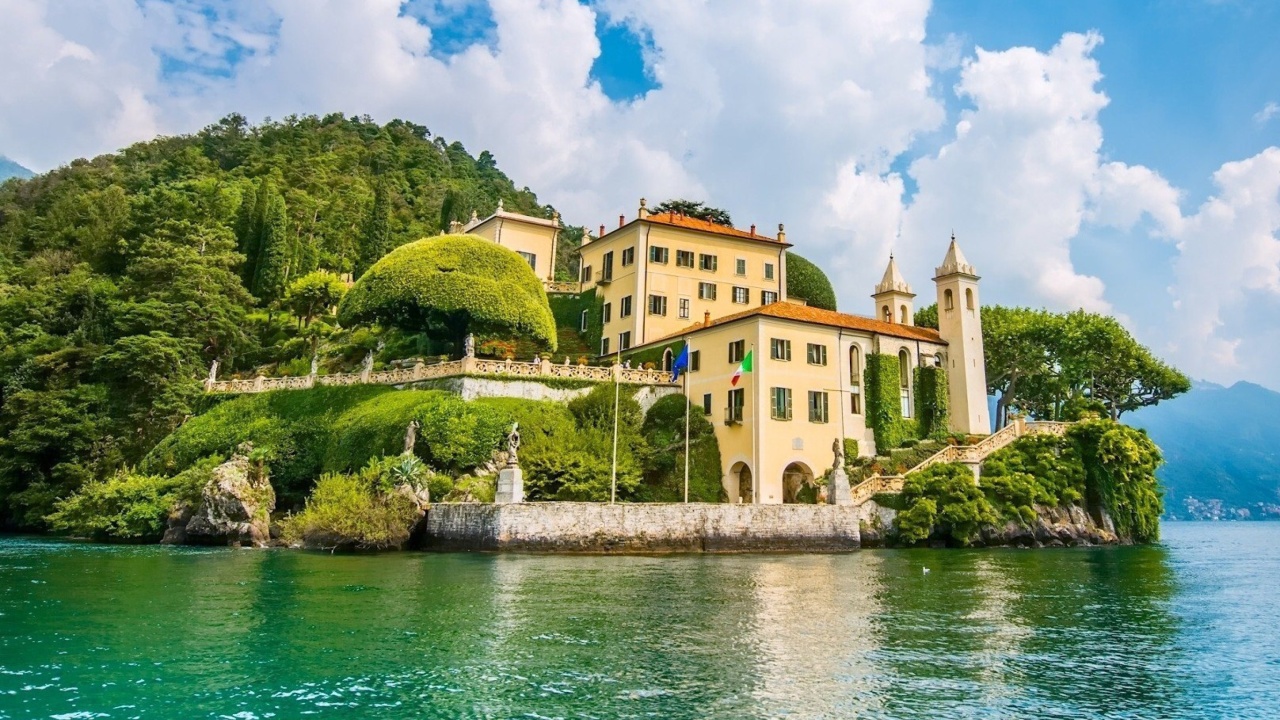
(452, 285)
(130, 506)
(663, 432)
(1120, 464)
(947, 497)
(348, 511)
(469, 488)
(806, 281)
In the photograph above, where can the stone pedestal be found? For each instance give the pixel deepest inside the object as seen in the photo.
(510, 486)
(838, 491)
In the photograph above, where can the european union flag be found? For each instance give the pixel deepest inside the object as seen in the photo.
(681, 364)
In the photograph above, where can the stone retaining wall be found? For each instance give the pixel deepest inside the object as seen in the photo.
(637, 527)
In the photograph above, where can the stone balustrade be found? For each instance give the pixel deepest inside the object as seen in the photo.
(452, 368)
(562, 287)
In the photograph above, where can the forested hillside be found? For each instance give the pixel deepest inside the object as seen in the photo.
(123, 277)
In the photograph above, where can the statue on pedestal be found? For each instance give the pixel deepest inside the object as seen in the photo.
(411, 436)
(513, 445)
(837, 447)
(315, 364)
(469, 346)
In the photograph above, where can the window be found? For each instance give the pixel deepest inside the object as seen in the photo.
(707, 262)
(695, 362)
(968, 298)
(582, 324)
(658, 255)
(529, 258)
(607, 273)
(628, 256)
(624, 307)
(768, 297)
(948, 300)
(818, 407)
(740, 266)
(887, 313)
(586, 274)
(657, 305)
(706, 404)
(706, 291)
(904, 380)
(624, 340)
(780, 408)
(817, 354)
(604, 346)
(855, 380)
(741, 295)
(779, 349)
(684, 308)
(608, 312)
(684, 258)
(733, 413)
(737, 350)
(902, 315)
(768, 271)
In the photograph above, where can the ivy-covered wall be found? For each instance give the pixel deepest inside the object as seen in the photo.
(932, 409)
(567, 311)
(884, 408)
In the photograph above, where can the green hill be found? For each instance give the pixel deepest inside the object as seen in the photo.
(1222, 451)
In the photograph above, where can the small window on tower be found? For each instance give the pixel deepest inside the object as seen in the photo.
(968, 298)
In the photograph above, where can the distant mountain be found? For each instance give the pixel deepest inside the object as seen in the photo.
(9, 168)
(1222, 451)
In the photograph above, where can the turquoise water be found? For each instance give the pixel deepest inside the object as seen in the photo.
(1184, 630)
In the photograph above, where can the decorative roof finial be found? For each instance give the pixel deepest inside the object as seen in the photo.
(644, 210)
(499, 205)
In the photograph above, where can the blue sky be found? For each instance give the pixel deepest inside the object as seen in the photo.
(1120, 156)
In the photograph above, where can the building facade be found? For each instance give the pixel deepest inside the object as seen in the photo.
(533, 238)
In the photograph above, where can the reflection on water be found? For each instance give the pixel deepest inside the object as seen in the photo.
(1184, 630)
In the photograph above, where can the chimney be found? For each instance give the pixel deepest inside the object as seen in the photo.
(706, 318)
(622, 220)
(782, 233)
(601, 232)
(753, 228)
(644, 210)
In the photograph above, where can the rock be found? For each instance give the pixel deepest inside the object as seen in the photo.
(176, 532)
(235, 505)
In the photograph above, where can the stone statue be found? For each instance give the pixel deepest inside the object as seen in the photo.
(537, 358)
(513, 444)
(315, 364)
(411, 436)
(368, 361)
(837, 447)
(213, 371)
(469, 346)
(566, 361)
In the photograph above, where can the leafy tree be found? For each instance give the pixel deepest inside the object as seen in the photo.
(663, 432)
(694, 209)
(806, 281)
(451, 286)
(314, 293)
(375, 241)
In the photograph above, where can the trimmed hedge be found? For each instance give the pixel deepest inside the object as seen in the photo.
(807, 282)
(453, 284)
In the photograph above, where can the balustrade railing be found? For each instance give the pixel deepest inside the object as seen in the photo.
(452, 368)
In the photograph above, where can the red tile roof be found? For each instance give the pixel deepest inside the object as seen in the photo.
(818, 316)
(690, 223)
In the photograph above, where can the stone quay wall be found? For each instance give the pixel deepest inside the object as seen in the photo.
(642, 527)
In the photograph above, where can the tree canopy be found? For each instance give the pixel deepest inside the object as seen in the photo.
(1053, 365)
(806, 281)
(452, 285)
(694, 209)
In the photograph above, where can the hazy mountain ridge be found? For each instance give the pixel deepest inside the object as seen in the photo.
(11, 169)
(1222, 451)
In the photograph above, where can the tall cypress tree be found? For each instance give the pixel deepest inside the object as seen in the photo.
(249, 229)
(376, 240)
(276, 253)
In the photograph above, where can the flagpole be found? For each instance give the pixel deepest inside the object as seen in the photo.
(613, 475)
(687, 405)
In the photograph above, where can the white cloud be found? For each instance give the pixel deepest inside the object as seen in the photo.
(1268, 111)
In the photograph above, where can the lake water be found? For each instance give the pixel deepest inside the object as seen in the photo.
(1187, 629)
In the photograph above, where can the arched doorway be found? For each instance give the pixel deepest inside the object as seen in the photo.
(667, 360)
(797, 484)
(740, 488)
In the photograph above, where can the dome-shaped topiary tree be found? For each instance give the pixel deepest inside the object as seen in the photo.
(806, 281)
(453, 285)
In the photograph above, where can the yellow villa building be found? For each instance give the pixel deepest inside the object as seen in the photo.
(666, 280)
(533, 238)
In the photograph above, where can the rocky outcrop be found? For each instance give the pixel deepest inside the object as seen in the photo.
(1053, 527)
(234, 509)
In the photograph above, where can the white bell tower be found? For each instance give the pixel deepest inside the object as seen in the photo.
(895, 302)
(960, 324)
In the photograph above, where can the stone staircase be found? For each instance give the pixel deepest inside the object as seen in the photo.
(967, 454)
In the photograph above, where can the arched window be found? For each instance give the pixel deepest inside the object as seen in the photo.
(904, 381)
(937, 360)
(902, 314)
(948, 300)
(667, 360)
(968, 298)
(888, 314)
(855, 380)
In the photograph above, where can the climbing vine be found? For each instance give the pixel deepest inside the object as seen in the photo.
(1120, 464)
(932, 410)
(884, 408)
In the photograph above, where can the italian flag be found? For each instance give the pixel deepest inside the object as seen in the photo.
(743, 367)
